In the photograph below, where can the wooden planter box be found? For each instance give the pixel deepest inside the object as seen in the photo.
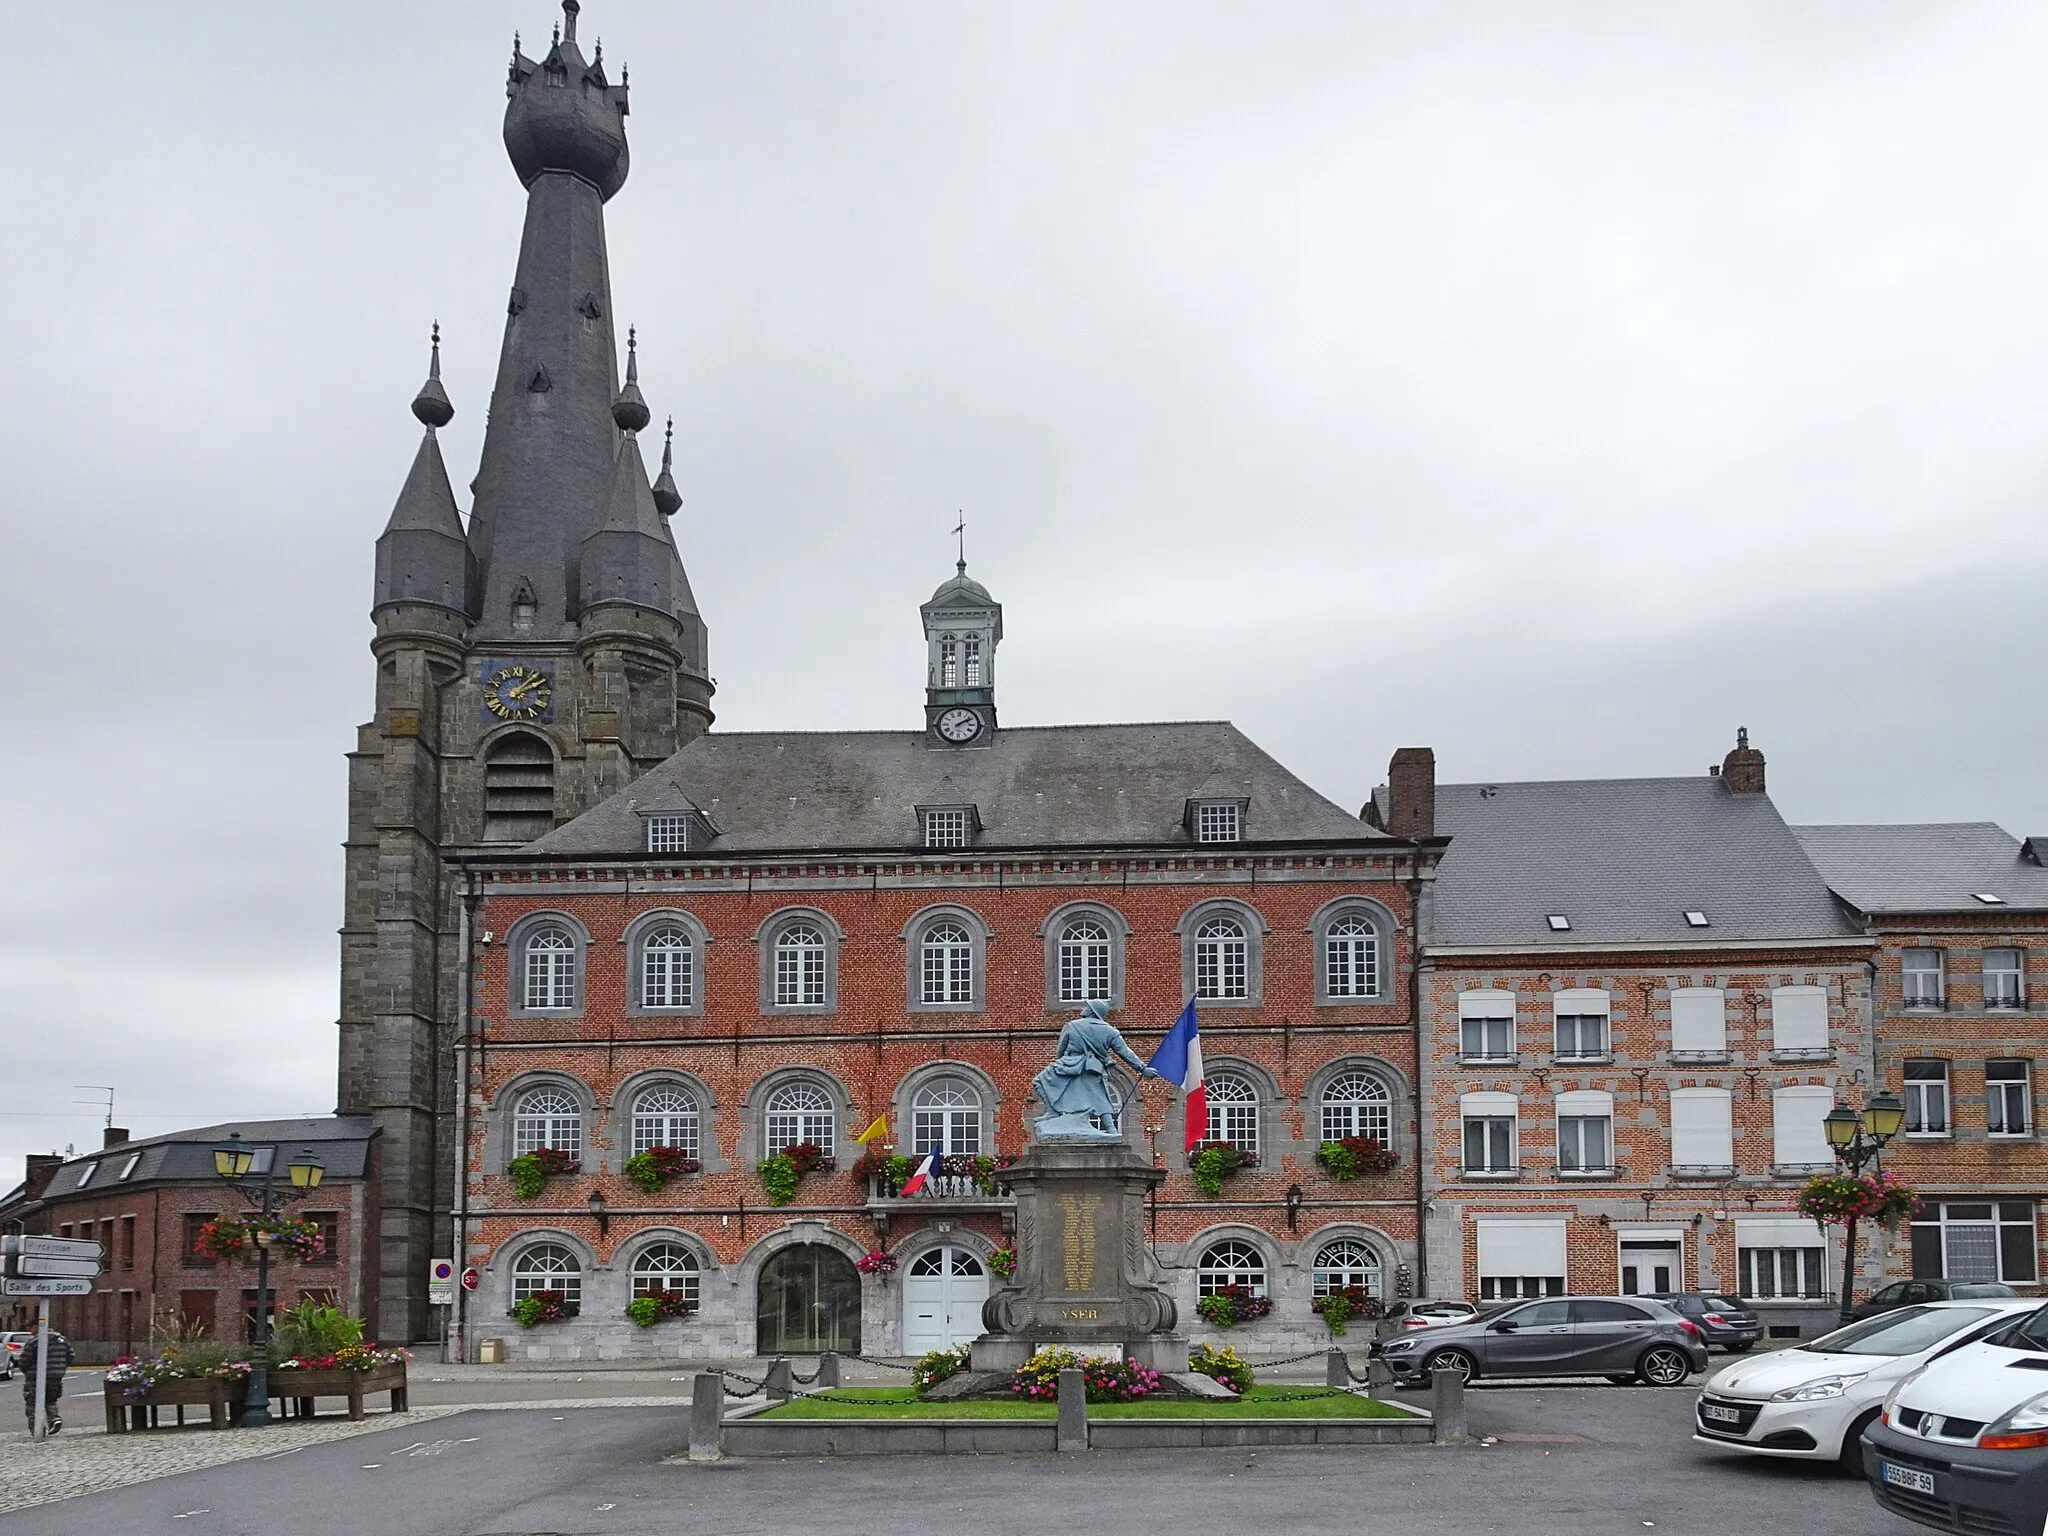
(221, 1399)
(299, 1388)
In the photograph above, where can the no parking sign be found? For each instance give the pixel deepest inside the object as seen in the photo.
(441, 1283)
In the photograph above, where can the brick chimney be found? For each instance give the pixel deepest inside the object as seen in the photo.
(1411, 793)
(1743, 768)
(112, 1136)
(42, 1167)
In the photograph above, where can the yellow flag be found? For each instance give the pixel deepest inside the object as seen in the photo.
(879, 1128)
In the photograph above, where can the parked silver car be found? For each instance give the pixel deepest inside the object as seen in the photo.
(1624, 1338)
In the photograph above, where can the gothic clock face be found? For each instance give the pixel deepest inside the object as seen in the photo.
(960, 725)
(518, 692)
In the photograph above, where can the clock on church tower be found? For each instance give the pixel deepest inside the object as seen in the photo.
(962, 627)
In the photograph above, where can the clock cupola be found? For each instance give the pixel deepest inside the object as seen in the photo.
(963, 625)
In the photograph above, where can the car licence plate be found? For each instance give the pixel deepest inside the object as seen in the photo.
(1720, 1415)
(1908, 1477)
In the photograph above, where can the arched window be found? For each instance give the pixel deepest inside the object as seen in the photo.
(665, 1117)
(550, 970)
(548, 1267)
(1084, 961)
(801, 1112)
(800, 967)
(1222, 959)
(1358, 1104)
(1345, 1263)
(1351, 958)
(668, 969)
(946, 964)
(1230, 1263)
(547, 1117)
(666, 1267)
(945, 1116)
(1233, 1110)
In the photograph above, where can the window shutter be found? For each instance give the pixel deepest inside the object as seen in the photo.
(1699, 1019)
(1521, 1247)
(1799, 1019)
(1796, 1132)
(1702, 1128)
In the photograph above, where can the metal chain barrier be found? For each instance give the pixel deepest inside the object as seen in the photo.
(795, 1376)
(1314, 1354)
(871, 1360)
(834, 1396)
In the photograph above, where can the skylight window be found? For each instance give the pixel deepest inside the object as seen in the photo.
(1559, 923)
(85, 1174)
(1695, 919)
(1988, 899)
(129, 1167)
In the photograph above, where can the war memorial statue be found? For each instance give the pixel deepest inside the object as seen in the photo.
(1075, 1088)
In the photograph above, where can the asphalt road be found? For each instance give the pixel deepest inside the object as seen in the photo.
(1626, 1466)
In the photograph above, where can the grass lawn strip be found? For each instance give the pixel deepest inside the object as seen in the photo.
(1259, 1403)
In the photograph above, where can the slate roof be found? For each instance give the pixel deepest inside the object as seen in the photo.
(1624, 860)
(1033, 787)
(1930, 867)
(343, 1143)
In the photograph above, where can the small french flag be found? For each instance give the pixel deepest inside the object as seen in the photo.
(920, 1173)
(1179, 1061)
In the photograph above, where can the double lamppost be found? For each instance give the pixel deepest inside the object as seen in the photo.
(234, 1160)
(1856, 1140)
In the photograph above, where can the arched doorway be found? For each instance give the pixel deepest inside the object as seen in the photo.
(808, 1302)
(942, 1295)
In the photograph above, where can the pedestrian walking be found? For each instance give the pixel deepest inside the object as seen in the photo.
(59, 1349)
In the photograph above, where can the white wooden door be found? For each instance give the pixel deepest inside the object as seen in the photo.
(942, 1295)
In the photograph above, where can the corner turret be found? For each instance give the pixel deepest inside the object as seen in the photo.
(422, 555)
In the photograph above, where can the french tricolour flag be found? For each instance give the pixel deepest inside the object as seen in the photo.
(920, 1173)
(1179, 1061)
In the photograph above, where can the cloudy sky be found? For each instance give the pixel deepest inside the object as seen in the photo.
(1561, 386)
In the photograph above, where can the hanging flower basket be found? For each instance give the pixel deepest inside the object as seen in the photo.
(531, 1170)
(876, 1261)
(1214, 1161)
(1338, 1307)
(657, 1165)
(235, 1241)
(1839, 1198)
(1234, 1304)
(1352, 1156)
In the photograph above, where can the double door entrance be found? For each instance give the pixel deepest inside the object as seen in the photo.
(1650, 1268)
(808, 1302)
(942, 1295)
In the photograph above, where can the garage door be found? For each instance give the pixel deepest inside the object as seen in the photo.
(942, 1296)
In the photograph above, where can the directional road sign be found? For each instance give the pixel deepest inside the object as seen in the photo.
(25, 1267)
(45, 1287)
(51, 1248)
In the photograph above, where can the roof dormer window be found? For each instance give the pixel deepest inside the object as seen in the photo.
(668, 833)
(948, 826)
(1219, 821)
(674, 824)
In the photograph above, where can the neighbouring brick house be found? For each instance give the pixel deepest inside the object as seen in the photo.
(1960, 912)
(1641, 1001)
(777, 937)
(144, 1201)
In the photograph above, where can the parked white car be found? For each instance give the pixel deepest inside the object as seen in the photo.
(1814, 1401)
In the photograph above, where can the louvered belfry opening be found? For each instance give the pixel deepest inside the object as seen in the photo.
(519, 789)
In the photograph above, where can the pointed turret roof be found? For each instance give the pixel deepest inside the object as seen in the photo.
(422, 555)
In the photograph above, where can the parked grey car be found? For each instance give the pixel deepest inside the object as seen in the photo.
(1624, 1338)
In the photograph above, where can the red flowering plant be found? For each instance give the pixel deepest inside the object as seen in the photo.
(1349, 1156)
(782, 1171)
(543, 1307)
(1107, 1380)
(225, 1237)
(657, 1165)
(1343, 1303)
(1232, 1304)
(1214, 1161)
(876, 1261)
(531, 1171)
(1840, 1198)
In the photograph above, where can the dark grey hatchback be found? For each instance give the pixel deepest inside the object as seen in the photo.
(1624, 1338)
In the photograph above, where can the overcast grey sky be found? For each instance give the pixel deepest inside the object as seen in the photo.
(1560, 386)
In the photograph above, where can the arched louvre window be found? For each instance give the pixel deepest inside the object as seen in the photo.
(1222, 959)
(665, 1117)
(547, 1117)
(1351, 958)
(1358, 1104)
(668, 969)
(547, 1267)
(1233, 1110)
(801, 1112)
(800, 967)
(1344, 1263)
(519, 789)
(945, 1117)
(1084, 961)
(550, 970)
(946, 964)
(666, 1267)
(1231, 1263)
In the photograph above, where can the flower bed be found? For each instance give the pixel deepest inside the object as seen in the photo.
(1224, 1364)
(1234, 1304)
(1214, 1161)
(531, 1171)
(1339, 1306)
(232, 1239)
(784, 1170)
(301, 1383)
(1108, 1381)
(1351, 1156)
(653, 1307)
(939, 1365)
(543, 1307)
(654, 1167)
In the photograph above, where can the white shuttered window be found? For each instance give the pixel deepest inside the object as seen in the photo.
(1702, 1128)
(1699, 1021)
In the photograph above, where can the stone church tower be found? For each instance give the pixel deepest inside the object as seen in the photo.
(528, 665)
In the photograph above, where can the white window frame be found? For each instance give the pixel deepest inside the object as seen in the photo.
(668, 832)
(666, 1115)
(667, 1266)
(946, 1117)
(1233, 1110)
(802, 961)
(2010, 990)
(1543, 1249)
(1492, 1111)
(548, 1267)
(1915, 970)
(1344, 1262)
(1590, 1011)
(1233, 1261)
(1699, 1021)
(1782, 1273)
(548, 962)
(798, 1112)
(1351, 958)
(668, 970)
(547, 1115)
(1085, 962)
(1356, 1102)
(1219, 821)
(946, 829)
(1223, 959)
(1577, 1114)
(1936, 1214)
(1929, 1098)
(945, 969)
(2011, 1090)
(1494, 1014)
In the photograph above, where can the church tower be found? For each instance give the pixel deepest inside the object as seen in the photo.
(528, 664)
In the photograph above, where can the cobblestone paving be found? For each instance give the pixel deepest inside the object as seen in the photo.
(86, 1459)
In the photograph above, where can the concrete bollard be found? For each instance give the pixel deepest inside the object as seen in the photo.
(828, 1370)
(1447, 1403)
(707, 1416)
(1336, 1369)
(1073, 1427)
(777, 1384)
(1379, 1378)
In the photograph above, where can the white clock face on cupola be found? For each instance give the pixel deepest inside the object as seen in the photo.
(960, 725)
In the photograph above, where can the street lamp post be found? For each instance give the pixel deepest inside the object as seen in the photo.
(234, 1160)
(1857, 1140)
